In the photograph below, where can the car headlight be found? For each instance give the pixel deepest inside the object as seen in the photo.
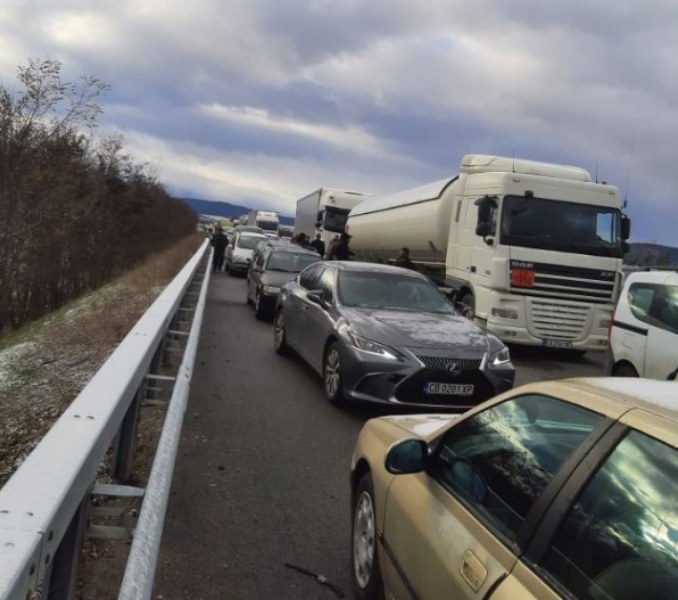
(500, 358)
(376, 348)
(271, 289)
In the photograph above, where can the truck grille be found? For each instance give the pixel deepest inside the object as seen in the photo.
(569, 283)
(559, 320)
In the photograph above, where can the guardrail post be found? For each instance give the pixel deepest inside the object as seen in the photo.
(61, 580)
(127, 439)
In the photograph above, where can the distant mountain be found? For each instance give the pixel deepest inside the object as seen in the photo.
(224, 209)
(644, 254)
(641, 254)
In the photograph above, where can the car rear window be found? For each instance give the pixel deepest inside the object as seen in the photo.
(290, 262)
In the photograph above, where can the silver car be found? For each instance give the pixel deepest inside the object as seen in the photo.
(239, 251)
(383, 334)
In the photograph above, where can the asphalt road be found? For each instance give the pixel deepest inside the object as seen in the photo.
(262, 474)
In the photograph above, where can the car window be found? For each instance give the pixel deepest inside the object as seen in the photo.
(326, 283)
(310, 276)
(620, 539)
(261, 258)
(291, 262)
(247, 242)
(655, 304)
(499, 461)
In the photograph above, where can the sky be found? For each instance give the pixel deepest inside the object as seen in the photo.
(259, 102)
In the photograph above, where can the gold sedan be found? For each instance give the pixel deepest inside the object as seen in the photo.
(559, 489)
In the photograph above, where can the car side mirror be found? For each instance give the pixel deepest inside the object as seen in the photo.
(408, 456)
(316, 296)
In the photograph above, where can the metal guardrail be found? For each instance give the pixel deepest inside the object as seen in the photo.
(44, 505)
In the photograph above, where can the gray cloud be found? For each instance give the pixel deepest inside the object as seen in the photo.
(264, 100)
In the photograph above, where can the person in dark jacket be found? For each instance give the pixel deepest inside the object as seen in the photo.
(318, 245)
(403, 259)
(219, 242)
(342, 251)
(332, 248)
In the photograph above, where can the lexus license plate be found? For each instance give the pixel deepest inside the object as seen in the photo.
(449, 389)
(557, 343)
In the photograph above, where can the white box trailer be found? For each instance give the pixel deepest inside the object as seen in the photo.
(533, 250)
(325, 211)
(268, 220)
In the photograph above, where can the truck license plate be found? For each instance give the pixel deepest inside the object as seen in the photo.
(557, 343)
(450, 389)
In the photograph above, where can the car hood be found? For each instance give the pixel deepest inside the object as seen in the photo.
(418, 330)
(427, 427)
(278, 278)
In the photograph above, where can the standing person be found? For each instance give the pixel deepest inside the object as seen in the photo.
(219, 242)
(319, 245)
(342, 251)
(332, 249)
(403, 259)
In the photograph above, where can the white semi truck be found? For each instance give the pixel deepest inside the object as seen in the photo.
(532, 250)
(325, 211)
(268, 220)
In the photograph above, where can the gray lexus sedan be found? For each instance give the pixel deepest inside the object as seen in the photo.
(383, 334)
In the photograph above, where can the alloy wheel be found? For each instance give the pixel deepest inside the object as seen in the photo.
(332, 373)
(363, 540)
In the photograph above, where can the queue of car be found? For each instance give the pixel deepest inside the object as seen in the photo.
(563, 489)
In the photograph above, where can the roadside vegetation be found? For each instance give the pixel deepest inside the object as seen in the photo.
(75, 210)
(88, 238)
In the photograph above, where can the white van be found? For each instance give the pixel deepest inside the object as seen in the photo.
(644, 329)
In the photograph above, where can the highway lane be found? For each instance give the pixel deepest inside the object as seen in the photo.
(262, 473)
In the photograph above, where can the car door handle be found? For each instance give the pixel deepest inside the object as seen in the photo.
(473, 571)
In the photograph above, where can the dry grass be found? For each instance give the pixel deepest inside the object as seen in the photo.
(57, 357)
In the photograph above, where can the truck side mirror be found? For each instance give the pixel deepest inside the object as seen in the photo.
(485, 205)
(625, 227)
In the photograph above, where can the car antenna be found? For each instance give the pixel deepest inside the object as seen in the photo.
(596, 172)
(513, 165)
(628, 175)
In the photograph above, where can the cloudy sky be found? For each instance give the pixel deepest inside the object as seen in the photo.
(259, 102)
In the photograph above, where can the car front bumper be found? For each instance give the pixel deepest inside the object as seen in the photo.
(404, 382)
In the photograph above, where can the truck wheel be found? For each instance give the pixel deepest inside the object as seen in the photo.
(466, 305)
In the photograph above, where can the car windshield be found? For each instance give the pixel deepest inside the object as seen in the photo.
(366, 289)
(248, 242)
(290, 262)
(268, 225)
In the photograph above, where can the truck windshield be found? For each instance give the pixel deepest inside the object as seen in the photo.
(561, 226)
(335, 219)
(268, 225)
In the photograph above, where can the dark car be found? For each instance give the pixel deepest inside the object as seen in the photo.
(385, 334)
(275, 264)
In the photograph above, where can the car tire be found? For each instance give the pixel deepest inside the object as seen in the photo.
(333, 380)
(367, 582)
(231, 272)
(466, 306)
(625, 371)
(279, 334)
(259, 311)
